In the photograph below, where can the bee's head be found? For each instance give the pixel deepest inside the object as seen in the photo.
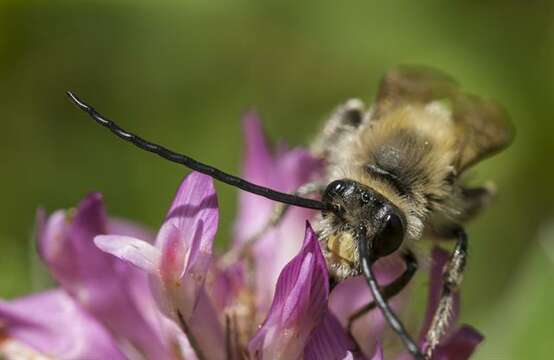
(357, 204)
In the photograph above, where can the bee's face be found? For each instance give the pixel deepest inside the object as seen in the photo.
(358, 204)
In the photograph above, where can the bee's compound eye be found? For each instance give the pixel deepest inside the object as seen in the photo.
(390, 237)
(335, 189)
(338, 186)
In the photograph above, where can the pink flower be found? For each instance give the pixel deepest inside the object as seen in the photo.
(178, 264)
(172, 299)
(97, 290)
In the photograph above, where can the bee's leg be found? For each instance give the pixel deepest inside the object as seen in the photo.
(475, 199)
(389, 290)
(452, 278)
(280, 209)
(279, 212)
(345, 119)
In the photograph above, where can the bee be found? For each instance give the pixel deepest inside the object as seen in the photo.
(394, 174)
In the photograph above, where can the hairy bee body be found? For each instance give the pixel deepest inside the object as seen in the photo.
(410, 147)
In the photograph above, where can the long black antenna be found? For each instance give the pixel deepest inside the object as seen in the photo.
(367, 258)
(198, 166)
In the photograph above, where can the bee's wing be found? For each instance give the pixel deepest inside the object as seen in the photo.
(482, 125)
(412, 84)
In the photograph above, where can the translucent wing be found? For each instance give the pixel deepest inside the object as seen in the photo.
(485, 128)
(482, 125)
(412, 84)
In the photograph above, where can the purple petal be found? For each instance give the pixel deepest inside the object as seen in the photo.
(460, 345)
(439, 258)
(298, 306)
(185, 241)
(204, 325)
(378, 355)
(285, 172)
(52, 323)
(258, 167)
(52, 232)
(192, 221)
(328, 341)
(195, 201)
(135, 251)
(12, 349)
(139, 285)
(106, 286)
(173, 255)
(227, 285)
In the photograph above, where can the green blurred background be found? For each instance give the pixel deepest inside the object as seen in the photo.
(183, 72)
